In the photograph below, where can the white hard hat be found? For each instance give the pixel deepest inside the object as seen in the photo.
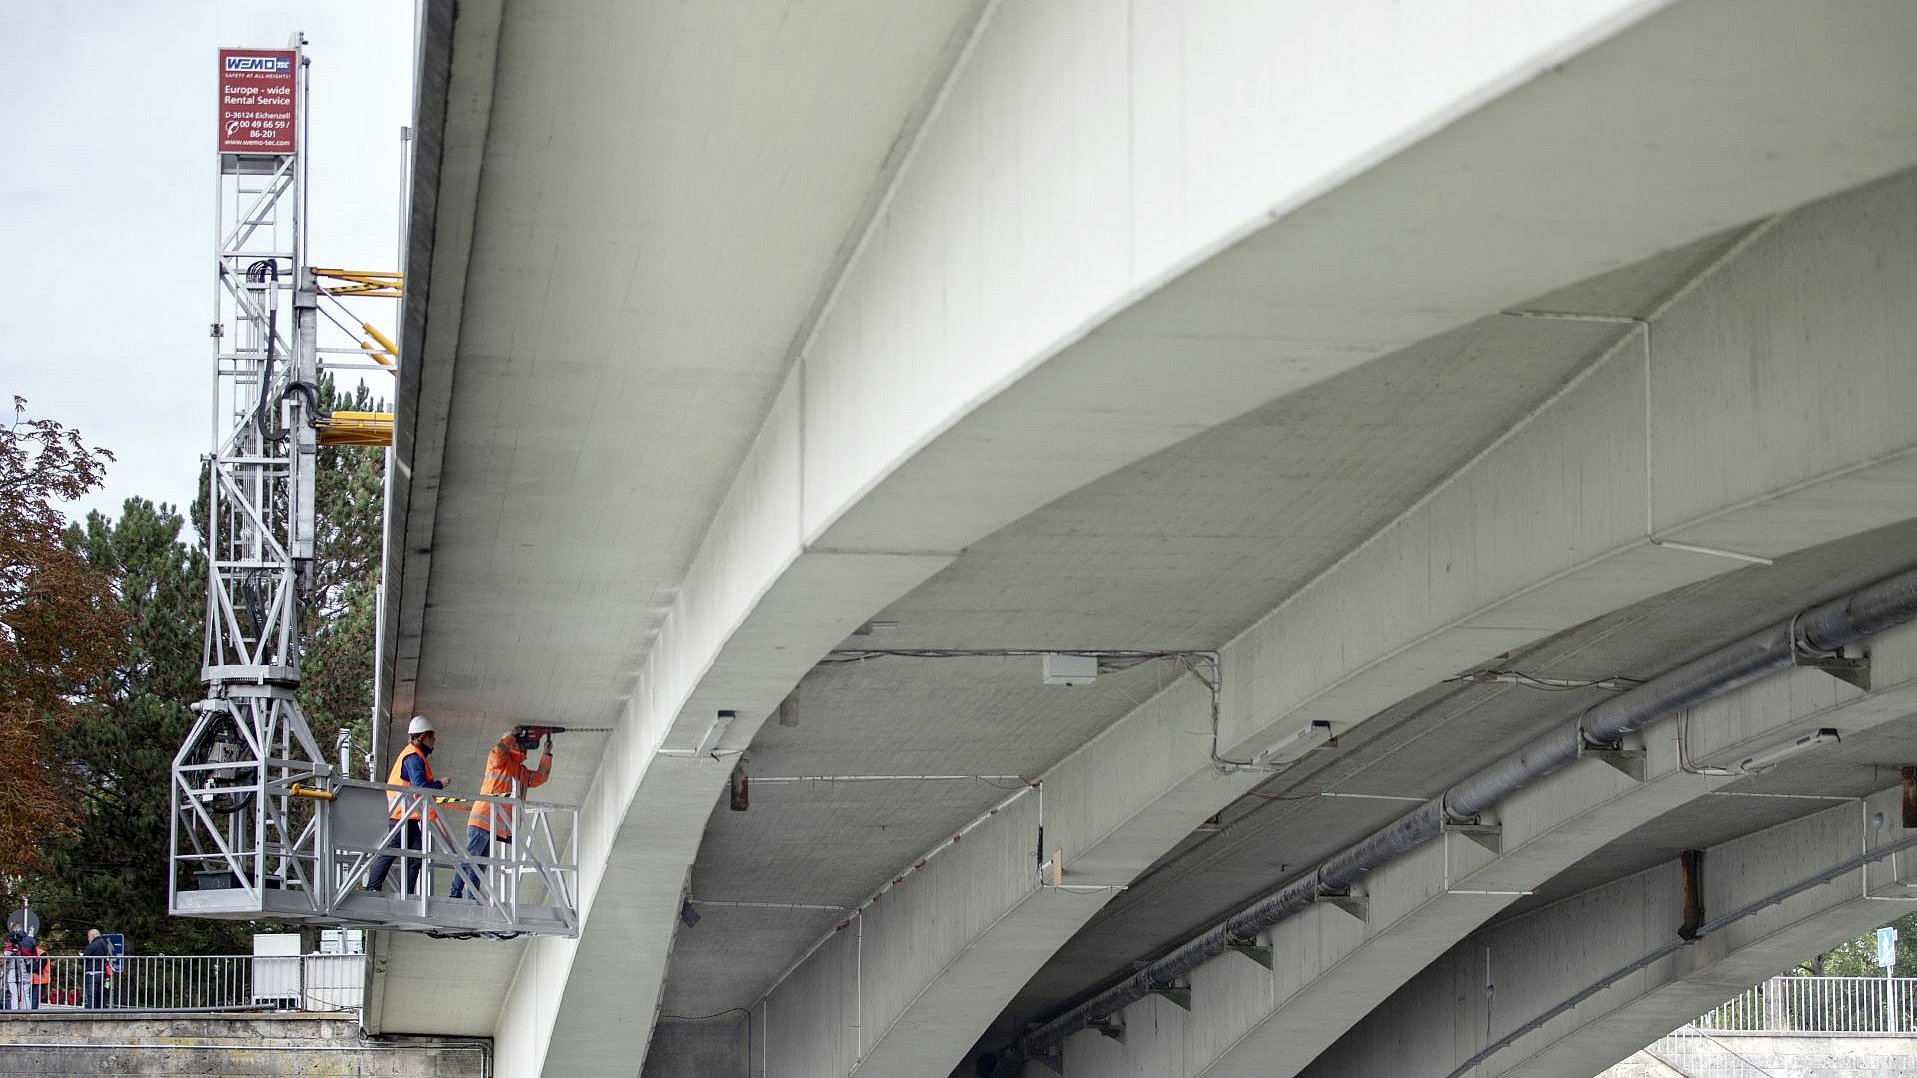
(420, 725)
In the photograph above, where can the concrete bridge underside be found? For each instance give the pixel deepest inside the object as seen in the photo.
(803, 364)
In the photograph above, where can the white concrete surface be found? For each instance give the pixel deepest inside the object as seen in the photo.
(1539, 961)
(1332, 969)
(1545, 529)
(1077, 259)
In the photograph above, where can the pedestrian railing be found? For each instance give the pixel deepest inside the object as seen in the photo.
(1695, 1053)
(185, 983)
(1846, 1005)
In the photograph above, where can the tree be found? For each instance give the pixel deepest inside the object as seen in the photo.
(60, 631)
(1858, 957)
(337, 621)
(106, 871)
(131, 709)
(337, 632)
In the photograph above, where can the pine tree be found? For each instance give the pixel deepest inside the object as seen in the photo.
(111, 870)
(106, 873)
(336, 669)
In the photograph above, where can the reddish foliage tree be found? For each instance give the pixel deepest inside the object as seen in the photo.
(61, 630)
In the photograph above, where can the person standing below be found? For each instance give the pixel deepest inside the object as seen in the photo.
(409, 769)
(40, 968)
(506, 776)
(99, 957)
(18, 978)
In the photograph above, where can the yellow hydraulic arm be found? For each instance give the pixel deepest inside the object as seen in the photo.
(361, 428)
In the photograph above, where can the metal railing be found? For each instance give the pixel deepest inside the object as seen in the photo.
(1847, 1005)
(326, 843)
(318, 982)
(1693, 1052)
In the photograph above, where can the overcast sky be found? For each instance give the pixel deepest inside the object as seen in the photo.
(107, 177)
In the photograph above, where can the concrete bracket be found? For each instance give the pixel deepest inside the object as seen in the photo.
(1357, 906)
(1112, 1026)
(1053, 1058)
(1251, 949)
(1850, 671)
(1488, 835)
(1628, 761)
(1177, 993)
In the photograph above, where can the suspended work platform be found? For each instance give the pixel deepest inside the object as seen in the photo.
(339, 831)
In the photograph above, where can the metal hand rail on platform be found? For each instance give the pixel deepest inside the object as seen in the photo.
(302, 847)
(130, 984)
(536, 874)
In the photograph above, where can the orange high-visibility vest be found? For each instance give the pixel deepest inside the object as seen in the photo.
(42, 969)
(397, 777)
(504, 766)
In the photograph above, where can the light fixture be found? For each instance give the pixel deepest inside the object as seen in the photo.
(1769, 758)
(715, 733)
(1294, 746)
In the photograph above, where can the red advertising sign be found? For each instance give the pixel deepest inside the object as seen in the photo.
(256, 100)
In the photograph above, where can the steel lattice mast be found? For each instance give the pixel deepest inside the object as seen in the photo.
(262, 825)
(237, 820)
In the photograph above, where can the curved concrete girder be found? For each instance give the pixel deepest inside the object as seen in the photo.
(1334, 968)
(716, 651)
(450, 138)
(1518, 575)
(1538, 962)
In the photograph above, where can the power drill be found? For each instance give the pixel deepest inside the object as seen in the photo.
(528, 737)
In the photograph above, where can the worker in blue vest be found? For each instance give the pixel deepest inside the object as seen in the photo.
(409, 769)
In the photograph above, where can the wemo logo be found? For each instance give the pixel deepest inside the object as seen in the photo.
(269, 64)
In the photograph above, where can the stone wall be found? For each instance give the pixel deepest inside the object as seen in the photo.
(238, 1046)
(1778, 1055)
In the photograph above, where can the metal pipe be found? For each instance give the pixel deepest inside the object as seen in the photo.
(1824, 629)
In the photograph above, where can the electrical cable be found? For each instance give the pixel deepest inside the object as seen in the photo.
(1610, 682)
(1684, 763)
(257, 273)
(720, 1014)
(1202, 665)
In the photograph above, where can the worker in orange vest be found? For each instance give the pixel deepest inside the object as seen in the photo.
(41, 968)
(409, 769)
(506, 776)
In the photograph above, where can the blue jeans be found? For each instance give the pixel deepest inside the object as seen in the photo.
(413, 838)
(479, 843)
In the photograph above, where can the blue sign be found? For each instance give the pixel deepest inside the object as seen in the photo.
(1887, 948)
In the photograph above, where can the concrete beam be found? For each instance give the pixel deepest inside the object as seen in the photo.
(935, 377)
(1334, 968)
(1552, 525)
(449, 144)
(1446, 1022)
